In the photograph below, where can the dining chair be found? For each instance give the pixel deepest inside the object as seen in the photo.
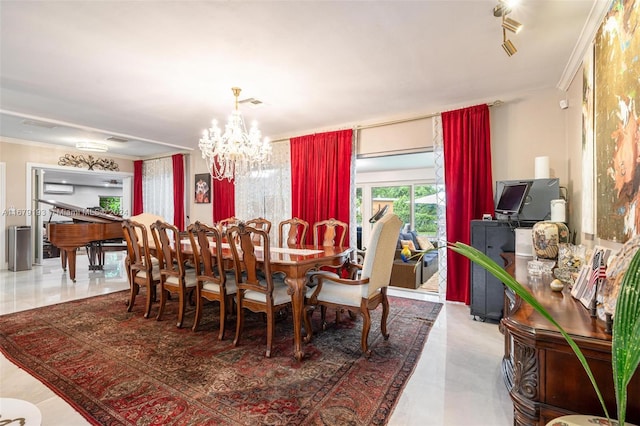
(174, 276)
(259, 223)
(143, 269)
(330, 232)
(296, 231)
(368, 289)
(213, 283)
(257, 289)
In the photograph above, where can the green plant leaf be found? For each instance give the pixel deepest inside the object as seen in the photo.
(500, 273)
(625, 345)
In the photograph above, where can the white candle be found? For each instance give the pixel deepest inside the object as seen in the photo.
(542, 168)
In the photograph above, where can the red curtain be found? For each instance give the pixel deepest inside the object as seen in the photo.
(178, 190)
(137, 188)
(321, 177)
(469, 186)
(224, 199)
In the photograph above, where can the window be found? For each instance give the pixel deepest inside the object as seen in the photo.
(111, 205)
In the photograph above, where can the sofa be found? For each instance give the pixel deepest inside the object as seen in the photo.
(407, 274)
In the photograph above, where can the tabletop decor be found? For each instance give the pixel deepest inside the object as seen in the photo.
(547, 237)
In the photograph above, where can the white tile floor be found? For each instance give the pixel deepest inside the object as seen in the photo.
(456, 382)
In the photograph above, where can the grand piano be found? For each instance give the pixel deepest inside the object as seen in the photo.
(88, 226)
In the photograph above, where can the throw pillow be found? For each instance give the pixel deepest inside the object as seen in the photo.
(409, 244)
(424, 242)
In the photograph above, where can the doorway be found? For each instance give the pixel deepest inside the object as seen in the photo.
(71, 186)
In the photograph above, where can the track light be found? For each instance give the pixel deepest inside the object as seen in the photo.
(511, 24)
(509, 47)
(501, 10)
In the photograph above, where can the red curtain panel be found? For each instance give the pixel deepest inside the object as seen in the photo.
(321, 177)
(468, 186)
(224, 199)
(178, 190)
(138, 206)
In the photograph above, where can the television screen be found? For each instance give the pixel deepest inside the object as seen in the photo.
(512, 198)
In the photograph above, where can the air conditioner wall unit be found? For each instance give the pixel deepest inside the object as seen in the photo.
(55, 188)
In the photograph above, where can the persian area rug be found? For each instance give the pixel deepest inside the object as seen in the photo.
(116, 367)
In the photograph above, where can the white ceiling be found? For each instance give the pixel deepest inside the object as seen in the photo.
(157, 72)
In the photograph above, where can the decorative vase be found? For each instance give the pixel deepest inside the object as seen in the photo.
(547, 237)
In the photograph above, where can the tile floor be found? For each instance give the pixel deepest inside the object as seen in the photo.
(457, 380)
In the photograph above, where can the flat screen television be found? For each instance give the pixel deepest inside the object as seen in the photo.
(512, 199)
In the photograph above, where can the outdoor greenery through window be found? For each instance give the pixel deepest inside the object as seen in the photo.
(111, 205)
(419, 211)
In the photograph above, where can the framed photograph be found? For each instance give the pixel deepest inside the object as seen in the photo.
(592, 271)
(202, 188)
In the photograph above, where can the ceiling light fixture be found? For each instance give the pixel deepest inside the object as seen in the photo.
(511, 25)
(508, 46)
(92, 146)
(235, 151)
(501, 10)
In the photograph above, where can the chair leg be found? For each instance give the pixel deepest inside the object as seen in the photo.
(366, 326)
(163, 301)
(223, 316)
(135, 288)
(271, 326)
(307, 323)
(182, 302)
(198, 315)
(150, 295)
(323, 317)
(385, 314)
(239, 322)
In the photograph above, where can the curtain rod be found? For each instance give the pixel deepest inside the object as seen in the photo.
(407, 120)
(401, 120)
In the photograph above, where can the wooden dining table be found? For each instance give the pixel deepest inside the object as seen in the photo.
(294, 262)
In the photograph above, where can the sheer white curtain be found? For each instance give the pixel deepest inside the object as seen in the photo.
(438, 151)
(267, 193)
(157, 187)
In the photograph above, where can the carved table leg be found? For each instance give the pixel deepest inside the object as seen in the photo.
(296, 290)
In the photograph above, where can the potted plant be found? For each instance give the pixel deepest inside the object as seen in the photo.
(625, 342)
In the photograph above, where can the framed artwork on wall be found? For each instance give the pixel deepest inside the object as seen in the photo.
(617, 99)
(202, 188)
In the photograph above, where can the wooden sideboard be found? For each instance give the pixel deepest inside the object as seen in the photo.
(544, 377)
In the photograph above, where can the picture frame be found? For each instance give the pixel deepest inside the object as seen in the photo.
(585, 286)
(202, 188)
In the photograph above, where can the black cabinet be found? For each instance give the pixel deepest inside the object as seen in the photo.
(492, 237)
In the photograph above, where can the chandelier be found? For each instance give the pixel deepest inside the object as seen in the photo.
(234, 152)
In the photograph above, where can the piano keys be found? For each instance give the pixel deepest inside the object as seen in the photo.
(88, 226)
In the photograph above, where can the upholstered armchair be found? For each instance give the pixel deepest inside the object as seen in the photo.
(369, 288)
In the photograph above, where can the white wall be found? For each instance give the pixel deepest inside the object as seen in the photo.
(82, 196)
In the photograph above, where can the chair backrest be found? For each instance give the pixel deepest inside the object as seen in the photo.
(325, 232)
(146, 219)
(167, 238)
(206, 244)
(296, 233)
(378, 259)
(245, 259)
(259, 223)
(138, 248)
(225, 223)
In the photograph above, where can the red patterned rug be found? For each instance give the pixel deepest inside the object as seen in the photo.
(118, 368)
